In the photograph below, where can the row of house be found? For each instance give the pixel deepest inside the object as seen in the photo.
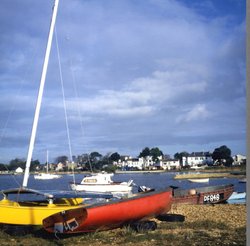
(193, 160)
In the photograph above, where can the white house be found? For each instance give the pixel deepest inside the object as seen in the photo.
(19, 170)
(197, 158)
(60, 166)
(168, 164)
(239, 159)
(130, 162)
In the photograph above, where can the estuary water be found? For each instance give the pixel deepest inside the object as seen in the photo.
(152, 180)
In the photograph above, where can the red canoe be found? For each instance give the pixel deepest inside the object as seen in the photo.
(110, 215)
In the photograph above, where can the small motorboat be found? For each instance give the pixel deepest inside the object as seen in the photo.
(102, 182)
(206, 180)
(110, 215)
(237, 197)
(203, 195)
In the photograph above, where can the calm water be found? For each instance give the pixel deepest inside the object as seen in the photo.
(153, 180)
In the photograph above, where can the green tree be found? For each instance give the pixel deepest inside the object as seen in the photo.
(3, 167)
(156, 153)
(145, 152)
(95, 156)
(15, 163)
(34, 164)
(115, 157)
(63, 159)
(180, 155)
(222, 155)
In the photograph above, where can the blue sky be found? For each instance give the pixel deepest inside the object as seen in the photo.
(147, 73)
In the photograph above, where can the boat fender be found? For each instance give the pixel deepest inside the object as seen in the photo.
(192, 192)
(171, 217)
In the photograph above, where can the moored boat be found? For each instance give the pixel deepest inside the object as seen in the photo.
(206, 180)
(244, 180)
(101, 182)
(110, 215)
(46, 176)
(236, 196)
(203, 195)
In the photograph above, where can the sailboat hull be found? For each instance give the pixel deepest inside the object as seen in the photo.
(46, 176)
(33, 213)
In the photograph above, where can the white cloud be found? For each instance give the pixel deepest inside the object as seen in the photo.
(198, 113)
(145, 66)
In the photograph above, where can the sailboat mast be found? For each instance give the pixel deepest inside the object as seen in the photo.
(47, 161)
(40, 94)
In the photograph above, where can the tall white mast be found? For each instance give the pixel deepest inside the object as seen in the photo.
(47, 161)
(40, 94)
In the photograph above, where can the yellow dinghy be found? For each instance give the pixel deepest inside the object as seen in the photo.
(32, 212)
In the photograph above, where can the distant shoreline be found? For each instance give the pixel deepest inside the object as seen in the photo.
(228, 171)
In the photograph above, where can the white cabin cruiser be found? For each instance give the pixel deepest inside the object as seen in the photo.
(101, 182)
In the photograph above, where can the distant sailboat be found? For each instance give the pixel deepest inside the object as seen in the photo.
(32, 212)
(47, 175)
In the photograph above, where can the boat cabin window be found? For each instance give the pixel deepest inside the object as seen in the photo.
(90, 181)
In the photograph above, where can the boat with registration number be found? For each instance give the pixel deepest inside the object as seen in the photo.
(203, 195)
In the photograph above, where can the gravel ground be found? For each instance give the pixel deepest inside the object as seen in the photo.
(234, 215)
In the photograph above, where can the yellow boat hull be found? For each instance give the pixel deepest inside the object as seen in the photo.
(33, 213)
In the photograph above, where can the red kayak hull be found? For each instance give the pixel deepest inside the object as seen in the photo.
(110, 215)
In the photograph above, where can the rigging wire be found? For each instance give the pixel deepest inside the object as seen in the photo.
(78, 107)
(63, 94)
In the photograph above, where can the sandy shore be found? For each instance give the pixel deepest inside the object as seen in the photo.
(207, 175)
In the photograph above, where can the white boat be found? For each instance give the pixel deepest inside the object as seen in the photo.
(102, 182)
(206, 180)
(47, 175)
(237, 196)
(198, 167)
(244, 180)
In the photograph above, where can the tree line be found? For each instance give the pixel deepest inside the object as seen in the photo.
(96, 161)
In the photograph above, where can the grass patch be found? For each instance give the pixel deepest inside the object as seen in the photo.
(200, 233)
(204, 225)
